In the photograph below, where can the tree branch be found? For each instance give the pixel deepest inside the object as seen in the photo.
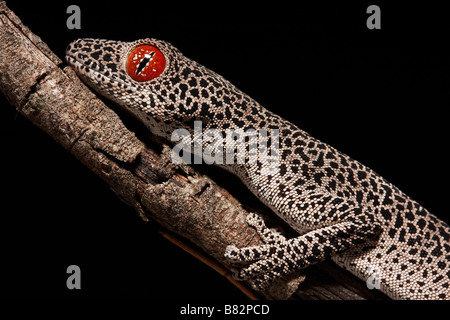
(194, 212)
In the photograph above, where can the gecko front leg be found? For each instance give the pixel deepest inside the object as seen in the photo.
(337, 225)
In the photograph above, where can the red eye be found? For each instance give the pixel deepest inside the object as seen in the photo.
(145, 62)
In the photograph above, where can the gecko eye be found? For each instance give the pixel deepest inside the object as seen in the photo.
(145, 62)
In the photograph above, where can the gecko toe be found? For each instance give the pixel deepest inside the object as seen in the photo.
(255, 221)
(248, 254)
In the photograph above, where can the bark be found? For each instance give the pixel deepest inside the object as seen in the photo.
(193, 211)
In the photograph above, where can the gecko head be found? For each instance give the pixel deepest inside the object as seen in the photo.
(129, 73)
(148, 77)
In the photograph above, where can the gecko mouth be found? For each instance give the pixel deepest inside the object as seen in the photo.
(89, 73)
(94, 75)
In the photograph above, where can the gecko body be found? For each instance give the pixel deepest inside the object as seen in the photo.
(341, 209)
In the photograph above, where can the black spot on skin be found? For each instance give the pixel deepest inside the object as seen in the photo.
(350, 178)
(239, 123)
(226, 100)
(398, 221)
(409, 215)
(330, 155)
(283, 169)
(386, 214)
(387, 199)
(192, 82)
(401, 236)
(423, 254)
(174, 80)
(216, 102)
(329, 172)
(203, 83)
(421, 212)
(299, 151)
(238, 113)
(362, 175)
(204, 111)
(299, 142)
(96, 54)
(249, 118)
(186, 72)
(392, 233)
(298, 134)
(421, 223)
(437, 252)
(107, 57)
(228, 113)
(287, 142)
(359, 196)
(194, 93)
(219, 116)
(411, 228)
(306, 171)
(332, 185)
(343, 161)
(299, 182)
(334, 165)
(254, 111)
(319, 162)
(318, 178)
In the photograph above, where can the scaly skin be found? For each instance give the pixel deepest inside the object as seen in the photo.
(341, 209)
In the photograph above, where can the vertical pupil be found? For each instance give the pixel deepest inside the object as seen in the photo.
(144, 62)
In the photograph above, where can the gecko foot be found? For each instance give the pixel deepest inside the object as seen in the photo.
(270, 261)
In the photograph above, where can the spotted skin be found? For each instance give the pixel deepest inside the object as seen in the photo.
(341, 209)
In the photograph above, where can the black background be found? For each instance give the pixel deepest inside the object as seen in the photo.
(378, 95)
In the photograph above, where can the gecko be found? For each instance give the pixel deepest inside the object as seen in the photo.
(342, 210)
